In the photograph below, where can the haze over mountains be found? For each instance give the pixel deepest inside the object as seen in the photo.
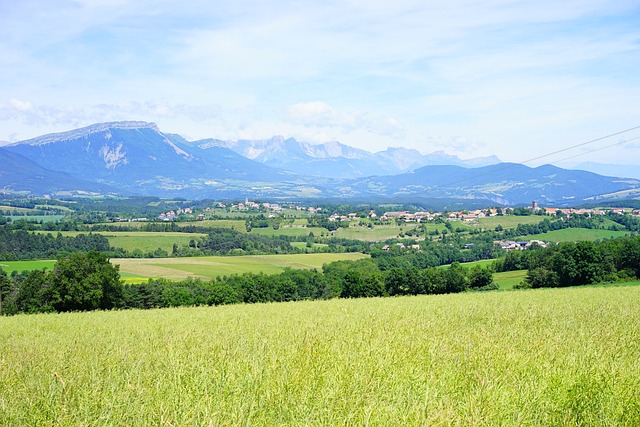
(336, 160)
(136, 158)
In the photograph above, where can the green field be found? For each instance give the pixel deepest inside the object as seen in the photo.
(505, 280)
(553, 357)
(145, 241)
(235, 224)
(15, 209)
(290, 231)
(35, 218)
(481, 263)
(9, 266)
(574, 235)
(508, 279)
(213, 266)
(378, 232)
(148, 242)
(303, 245)
(392, 231)
(509, 221)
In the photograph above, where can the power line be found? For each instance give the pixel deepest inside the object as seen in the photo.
(512, 165)
(598, 149)
(582, 144)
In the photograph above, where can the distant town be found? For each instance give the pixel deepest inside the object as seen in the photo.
(400, 216)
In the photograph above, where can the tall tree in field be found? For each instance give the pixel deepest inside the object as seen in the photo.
(87, 281)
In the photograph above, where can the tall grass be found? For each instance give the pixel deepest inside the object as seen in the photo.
(544, 357)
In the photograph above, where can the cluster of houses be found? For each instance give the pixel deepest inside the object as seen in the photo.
(401, 246)
(399, 216)
(348, 217)
(470, 216)
(509, 245)
(240, 206)
(249, 205)
(172, 215)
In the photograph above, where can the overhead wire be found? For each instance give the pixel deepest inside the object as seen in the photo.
(512, 165)
(598, 149)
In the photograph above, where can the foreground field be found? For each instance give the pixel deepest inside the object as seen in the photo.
(547, 357)
(212, 266)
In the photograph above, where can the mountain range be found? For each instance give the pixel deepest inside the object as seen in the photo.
(336, 160)
(136, 158)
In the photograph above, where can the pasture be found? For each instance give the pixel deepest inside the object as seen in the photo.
(575, 235)
(536, 358)
(20, 266)
(508, 221)
(508, 279)
(235, 224)
(35, 218)
(376, 233)
(213, 266)
(295, 231)
(144, 241)
(149, 242)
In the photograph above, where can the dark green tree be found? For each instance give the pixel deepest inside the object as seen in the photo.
(542, 277)
(86, 281)
(400, 281)
(455, 278)
(480, 277)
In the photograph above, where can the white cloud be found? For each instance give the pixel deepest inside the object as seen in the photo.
(491, 77)
(320, 115)
(20, 105)
(314, 113)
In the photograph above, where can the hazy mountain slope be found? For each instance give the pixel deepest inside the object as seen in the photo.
(138, 157)
(606, 169)
(19, 174)
(328, 160)
(336, 160)
(506, 183)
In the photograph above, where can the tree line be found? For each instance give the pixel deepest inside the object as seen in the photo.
(87, 281)
(576, 263)
(81, 281)
(19, 244)
(23, 245)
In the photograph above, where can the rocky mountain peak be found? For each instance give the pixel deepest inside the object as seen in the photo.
(86, 131)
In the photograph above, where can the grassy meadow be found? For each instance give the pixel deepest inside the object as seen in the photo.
(296, 231)
(575, 235)
(508, 279)
(9, 266)
(536, 358)
(35, 218)
(508, 221)
(376, 233)
(136, 270)
(212, 266)
(145, 241)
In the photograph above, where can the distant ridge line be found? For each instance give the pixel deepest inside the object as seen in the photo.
(94, 128)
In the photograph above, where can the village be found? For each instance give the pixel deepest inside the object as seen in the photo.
(399, 216)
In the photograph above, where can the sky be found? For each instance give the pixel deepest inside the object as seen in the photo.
(516, 79)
